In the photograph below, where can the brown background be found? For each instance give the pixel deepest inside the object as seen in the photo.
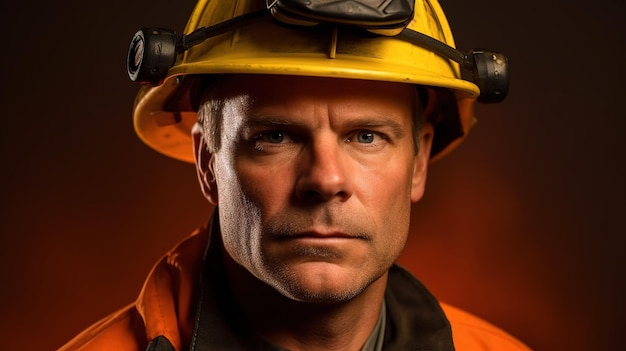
(522, 225)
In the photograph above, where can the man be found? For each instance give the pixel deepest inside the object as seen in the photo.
(312, 143)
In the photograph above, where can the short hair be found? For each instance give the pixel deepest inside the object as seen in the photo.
(211, 115)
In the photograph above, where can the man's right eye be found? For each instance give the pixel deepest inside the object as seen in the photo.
(273, 137)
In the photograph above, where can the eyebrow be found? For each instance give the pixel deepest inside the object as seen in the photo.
(271, 120)
(397, 129)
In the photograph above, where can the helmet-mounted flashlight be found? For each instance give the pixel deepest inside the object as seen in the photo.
(153, 51)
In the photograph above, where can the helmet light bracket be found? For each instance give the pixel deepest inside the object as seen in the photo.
(385, 17)
(153, 51)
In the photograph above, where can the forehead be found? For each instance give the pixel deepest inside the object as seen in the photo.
(267, 91)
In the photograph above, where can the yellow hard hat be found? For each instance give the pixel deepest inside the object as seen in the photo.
(407, 41)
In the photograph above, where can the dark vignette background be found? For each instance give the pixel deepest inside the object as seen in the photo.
(522, 225)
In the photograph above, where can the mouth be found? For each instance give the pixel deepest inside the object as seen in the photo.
(318, 245)
(322, 235)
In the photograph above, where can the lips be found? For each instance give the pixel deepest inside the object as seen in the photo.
(317, 234)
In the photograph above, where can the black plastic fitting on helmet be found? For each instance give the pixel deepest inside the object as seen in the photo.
(387, 17)
(151, 53)
(490, 74)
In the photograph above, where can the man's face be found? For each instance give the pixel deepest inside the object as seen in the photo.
(314, 180)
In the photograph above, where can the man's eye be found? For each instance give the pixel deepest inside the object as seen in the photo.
(274, 137)
(365, 137)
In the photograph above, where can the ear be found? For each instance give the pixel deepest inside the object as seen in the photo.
(204, 164)
(420, 167)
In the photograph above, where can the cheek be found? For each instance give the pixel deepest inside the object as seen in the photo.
(239, 216)
(254, 196)
(387, 195)
(389, 184)
(268, 187)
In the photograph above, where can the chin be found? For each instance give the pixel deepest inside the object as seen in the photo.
(321, 285)
(324, 296)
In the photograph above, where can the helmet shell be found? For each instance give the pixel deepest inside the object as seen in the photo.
(163, 121)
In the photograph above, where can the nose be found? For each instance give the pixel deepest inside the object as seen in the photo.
(324, 174)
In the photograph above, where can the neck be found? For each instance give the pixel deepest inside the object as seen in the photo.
(297, 325)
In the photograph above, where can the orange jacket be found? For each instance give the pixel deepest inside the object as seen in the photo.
(166, 308)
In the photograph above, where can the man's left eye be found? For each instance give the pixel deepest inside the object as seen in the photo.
(365, 137)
